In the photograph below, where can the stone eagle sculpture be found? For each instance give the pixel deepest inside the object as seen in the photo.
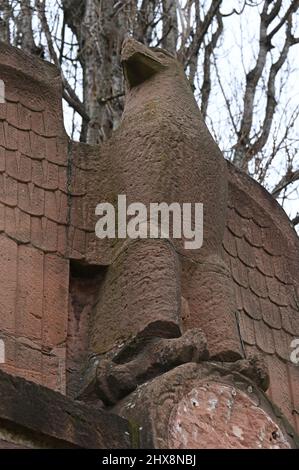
(100, 317)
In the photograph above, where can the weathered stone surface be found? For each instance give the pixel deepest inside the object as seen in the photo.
(215, 415)
(49, 188)
(120, 373)
(265, 285)
(140, 295)
(32, 416)
(163, 152)
(206, 405)
(34, 288)
(83, 292)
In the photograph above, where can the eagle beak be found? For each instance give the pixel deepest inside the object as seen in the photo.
(138, 62)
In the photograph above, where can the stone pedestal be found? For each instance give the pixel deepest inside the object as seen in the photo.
(34, 417)
(202, 406)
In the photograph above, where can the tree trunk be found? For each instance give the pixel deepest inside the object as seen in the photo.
(5, 14)
(170, 25)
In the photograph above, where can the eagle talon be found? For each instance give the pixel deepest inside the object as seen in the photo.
(114, 381)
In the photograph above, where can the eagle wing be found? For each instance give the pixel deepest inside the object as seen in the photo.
(262, 250)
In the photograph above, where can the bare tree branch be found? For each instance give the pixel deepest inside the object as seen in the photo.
(187, 53)
(295, 221)
(246, 146)
(170, 25)
(292, 9)
(68, 93)
(271, 101)
(209, 50)
(290, 177)
(5, 16)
